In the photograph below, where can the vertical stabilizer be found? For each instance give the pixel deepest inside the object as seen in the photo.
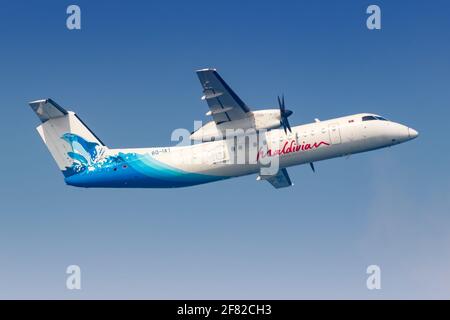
(71, 143)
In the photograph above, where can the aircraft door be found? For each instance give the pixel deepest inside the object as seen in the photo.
(335, 134)
(218, 153)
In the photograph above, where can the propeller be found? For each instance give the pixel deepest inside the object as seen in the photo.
(284, 114)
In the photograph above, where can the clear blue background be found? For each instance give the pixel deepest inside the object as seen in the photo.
(129, 73)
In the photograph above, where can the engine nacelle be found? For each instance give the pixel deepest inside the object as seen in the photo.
(259, 120)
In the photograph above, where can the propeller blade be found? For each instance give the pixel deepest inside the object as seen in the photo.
(284, 114)
(286, 123)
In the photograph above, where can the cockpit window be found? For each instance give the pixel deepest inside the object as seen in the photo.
(367, 118)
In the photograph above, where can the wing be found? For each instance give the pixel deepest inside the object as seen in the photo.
(224, 104)
(280, 180)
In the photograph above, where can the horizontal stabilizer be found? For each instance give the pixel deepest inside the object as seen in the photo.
(47, 109)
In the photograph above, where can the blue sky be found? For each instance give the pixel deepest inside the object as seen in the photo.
(129, 74)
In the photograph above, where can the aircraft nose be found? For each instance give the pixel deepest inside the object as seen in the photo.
(412, 133)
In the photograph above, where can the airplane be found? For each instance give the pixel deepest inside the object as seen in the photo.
(235, 143)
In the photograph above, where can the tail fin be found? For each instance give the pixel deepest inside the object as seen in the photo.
(72, 144)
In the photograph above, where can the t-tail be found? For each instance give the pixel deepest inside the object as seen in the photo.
(72, 144)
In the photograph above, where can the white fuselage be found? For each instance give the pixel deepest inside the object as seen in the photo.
(305, 144)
